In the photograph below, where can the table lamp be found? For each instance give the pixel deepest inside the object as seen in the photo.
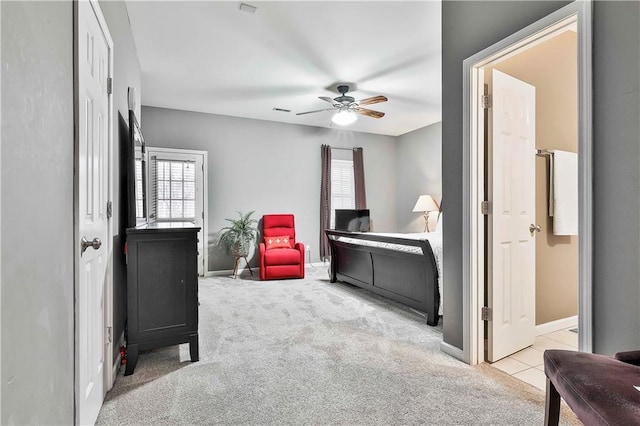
(427, 205)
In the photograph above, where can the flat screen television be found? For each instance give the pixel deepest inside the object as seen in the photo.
(352, 220)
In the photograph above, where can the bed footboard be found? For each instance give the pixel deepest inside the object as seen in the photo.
(406, 277)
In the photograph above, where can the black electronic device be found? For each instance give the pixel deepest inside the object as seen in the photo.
(353, 220)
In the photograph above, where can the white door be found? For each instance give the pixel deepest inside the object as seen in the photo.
(92, 257)
(177, 191)
(511, 248)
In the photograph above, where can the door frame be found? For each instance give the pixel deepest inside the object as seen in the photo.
(205, 200)
(473, 175)
(109, 370)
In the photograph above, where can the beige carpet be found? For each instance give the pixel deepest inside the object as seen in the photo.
(311, 352)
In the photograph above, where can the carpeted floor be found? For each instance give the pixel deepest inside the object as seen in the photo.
(311, 352)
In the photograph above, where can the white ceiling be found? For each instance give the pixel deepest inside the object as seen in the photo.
(211, 57)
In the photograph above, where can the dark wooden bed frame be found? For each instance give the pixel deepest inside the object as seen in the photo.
(408, 278)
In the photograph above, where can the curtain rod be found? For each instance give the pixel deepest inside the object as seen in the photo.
(347, 149)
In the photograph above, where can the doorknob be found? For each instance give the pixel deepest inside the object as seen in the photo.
(534, 228)
(85, 244)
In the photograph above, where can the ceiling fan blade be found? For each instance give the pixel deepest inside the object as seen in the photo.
(372, 100)
(368, 112)
(318, 110)
(327, 99)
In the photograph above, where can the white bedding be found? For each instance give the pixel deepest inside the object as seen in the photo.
(434, 238)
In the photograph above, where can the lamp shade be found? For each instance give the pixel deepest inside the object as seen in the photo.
(343, 117)
(425, 203)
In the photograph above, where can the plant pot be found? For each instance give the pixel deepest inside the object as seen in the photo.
(240, 249)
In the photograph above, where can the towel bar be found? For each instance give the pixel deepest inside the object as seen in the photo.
(543, 152)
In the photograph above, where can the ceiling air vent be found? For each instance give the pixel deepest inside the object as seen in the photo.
(248, 8)
(281, 109)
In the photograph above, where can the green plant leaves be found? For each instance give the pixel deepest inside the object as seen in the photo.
(240, 233)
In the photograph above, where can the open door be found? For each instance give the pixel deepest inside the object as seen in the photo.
(94, 50)
(511, 225)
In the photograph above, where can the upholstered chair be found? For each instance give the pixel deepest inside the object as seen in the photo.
(280, 255)
(601, 390)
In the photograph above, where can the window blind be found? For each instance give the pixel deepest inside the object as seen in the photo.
(173, 190)
(342, 187)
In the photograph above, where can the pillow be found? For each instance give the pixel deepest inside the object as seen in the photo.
(277, 242)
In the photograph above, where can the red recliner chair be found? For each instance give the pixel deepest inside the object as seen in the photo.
(280, 255)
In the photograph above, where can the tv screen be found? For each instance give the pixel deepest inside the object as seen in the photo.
(352, 220)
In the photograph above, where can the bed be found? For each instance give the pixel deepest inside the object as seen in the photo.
(406, 268)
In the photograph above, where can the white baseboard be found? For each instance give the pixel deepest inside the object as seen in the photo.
(229, 272)
(557, 325)
(219, 273)
(457, 353)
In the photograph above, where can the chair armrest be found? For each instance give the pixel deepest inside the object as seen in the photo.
(300, 247)
(629, 357)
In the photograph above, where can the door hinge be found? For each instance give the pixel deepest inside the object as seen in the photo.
(486, 314)
(109, 209)
(487, 102)
(109, 335)
(109, 85)
(203, 215)
(485, 207)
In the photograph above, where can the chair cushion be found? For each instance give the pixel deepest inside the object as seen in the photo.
(274, 225)
(278, 221)
(283, 256)
(599, 389)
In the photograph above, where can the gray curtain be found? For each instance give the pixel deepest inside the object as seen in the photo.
(325, 200)
(358, 179)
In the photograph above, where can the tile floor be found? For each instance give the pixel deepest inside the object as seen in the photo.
(527, 365)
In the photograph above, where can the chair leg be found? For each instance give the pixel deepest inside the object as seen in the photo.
(248, 266)
(235, 268)
(552, 405)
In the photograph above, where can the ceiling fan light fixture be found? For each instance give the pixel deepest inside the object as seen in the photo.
(343, 118)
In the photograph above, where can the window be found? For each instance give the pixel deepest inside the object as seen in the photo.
(342, 187)
(175, 190)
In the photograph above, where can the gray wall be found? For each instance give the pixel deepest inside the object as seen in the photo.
(272, 168)
(419, 171)
(616, 179)
(37, 206)
(469, 27)
(126, 73)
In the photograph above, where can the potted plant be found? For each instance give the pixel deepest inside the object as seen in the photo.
(238, 236)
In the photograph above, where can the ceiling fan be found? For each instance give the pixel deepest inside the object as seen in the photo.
(346, 105)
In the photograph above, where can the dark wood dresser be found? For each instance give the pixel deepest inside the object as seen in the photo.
(162, 288)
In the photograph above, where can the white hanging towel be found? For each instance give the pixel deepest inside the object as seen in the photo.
(565, 193)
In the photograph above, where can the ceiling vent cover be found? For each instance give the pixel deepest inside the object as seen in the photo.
(248, 8)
